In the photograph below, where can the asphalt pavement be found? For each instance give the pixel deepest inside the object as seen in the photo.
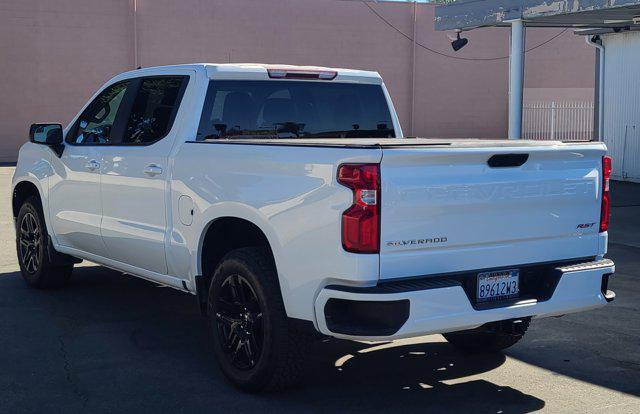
(114, 343)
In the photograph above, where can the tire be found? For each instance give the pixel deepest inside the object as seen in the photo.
(35, 253)
(257, 347)
(489, 338)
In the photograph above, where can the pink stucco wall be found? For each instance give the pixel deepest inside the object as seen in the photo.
(53, 55)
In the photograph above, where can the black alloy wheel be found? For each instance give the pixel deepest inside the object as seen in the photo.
(257, 346)
(31, 246)
(239, 322)
(41, 265)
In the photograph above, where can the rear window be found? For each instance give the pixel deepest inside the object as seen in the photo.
(294, 109)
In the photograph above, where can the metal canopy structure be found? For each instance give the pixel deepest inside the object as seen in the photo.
(468, 14)
(614, 15)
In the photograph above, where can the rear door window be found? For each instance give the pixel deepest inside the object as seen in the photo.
(294, 109)
(154, 109)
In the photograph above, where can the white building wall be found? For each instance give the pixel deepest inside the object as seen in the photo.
(622, 103)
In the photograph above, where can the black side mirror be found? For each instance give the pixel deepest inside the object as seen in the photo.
(47, 134)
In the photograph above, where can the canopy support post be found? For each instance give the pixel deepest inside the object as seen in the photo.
(516, 78)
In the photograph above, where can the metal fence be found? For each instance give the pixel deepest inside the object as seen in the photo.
(562, 121)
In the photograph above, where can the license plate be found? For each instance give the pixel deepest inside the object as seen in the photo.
(502, 284)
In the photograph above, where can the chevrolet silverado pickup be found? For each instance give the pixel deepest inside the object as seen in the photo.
(287, 200)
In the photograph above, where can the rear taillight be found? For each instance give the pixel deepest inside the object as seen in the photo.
(605, 211)
(361, 221)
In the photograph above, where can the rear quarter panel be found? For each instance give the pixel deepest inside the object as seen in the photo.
(290, 193)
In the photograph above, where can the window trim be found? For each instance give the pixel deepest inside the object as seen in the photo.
(125, 108)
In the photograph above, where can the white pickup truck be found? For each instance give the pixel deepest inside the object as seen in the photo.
(287, 199)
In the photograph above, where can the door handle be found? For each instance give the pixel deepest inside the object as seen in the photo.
(153, 169)
(92, 165)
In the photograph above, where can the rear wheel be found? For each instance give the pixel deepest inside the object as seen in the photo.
(254, 342)
(34, 249)
(491, 337)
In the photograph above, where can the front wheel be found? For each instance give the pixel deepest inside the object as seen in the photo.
(491, 337)
(254, 342)
(33, 246)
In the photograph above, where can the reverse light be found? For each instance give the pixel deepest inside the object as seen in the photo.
(605, 210)
(276, 73)
(361, 221)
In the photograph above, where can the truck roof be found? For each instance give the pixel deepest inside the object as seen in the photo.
(260, 71)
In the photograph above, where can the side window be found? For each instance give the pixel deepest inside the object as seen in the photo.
(96, 122)
(154, 109)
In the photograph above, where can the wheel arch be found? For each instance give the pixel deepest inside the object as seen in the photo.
(22, 190)
(220, 236)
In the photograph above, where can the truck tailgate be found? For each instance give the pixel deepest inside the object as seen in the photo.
(446, 209)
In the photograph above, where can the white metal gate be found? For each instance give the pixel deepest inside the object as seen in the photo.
(562, 121)
(622, 103)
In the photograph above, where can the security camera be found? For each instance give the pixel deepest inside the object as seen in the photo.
(459, 42)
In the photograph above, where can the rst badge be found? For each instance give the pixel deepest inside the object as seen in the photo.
(585, 225)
